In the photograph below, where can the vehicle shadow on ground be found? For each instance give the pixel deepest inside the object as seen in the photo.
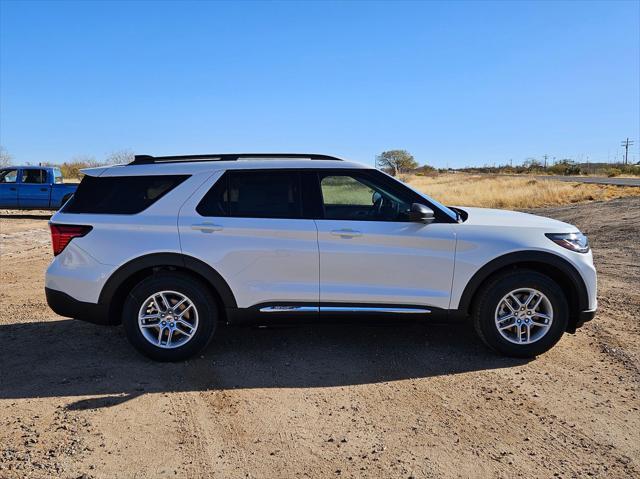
(71, 358)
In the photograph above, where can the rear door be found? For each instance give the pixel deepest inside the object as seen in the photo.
(8, 188)
(251, 227)
(371, 255)
(34, 189)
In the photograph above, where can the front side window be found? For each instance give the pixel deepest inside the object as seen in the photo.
(8, 176)
(57, 176)
(360, 198)
(254, 194)
(34, 176)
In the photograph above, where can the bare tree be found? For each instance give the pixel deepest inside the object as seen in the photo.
(120, 156)
(397, 161)
(5, 157)
(86, 160)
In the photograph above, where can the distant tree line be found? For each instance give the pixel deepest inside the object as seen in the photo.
(71, 168)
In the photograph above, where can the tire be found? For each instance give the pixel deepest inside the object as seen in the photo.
(177, 341)
(544, 333)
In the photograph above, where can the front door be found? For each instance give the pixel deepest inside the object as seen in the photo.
(250, 227)
(371, 254)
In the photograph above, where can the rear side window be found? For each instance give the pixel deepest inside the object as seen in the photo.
(254, 194)
(34, 176)
(120, 195)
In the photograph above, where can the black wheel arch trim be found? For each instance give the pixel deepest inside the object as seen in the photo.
(522, 258)
(179, 260)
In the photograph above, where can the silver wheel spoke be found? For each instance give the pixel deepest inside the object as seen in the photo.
(187, 325)
(176, 307)
(181, 313)
(505, 318)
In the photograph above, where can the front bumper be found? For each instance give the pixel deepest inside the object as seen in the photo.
(64, 305)
(583, 317)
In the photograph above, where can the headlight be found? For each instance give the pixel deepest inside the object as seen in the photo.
(574, 241)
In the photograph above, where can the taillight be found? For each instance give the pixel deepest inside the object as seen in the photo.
(61, 235)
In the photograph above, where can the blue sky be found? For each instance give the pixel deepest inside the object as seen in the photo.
(455, 83)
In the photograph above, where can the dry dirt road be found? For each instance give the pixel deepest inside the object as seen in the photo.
(322, 401)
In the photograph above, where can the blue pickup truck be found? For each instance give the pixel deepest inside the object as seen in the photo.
(33, 187)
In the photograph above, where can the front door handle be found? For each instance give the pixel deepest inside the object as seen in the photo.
(346, 233)
(12, 188)
(206, 227)
(44, 189)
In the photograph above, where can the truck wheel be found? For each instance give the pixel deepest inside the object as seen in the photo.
(522, 313)
(170, 316)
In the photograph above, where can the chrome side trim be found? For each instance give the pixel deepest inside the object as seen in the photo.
(371, 309)
(290, 309)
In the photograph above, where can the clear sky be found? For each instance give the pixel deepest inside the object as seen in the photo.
(455, 83)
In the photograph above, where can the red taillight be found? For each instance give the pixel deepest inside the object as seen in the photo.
(61, 235)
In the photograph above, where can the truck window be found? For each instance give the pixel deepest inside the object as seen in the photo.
(34, 176)
(8, 176)
(57, 176)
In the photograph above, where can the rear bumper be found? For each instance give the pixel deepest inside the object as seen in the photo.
(64, 305)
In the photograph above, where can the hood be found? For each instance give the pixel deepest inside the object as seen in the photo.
(514, 219)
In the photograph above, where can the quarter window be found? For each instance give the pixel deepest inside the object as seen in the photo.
(120, 195)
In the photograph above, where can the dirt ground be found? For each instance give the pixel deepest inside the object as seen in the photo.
(321, 401)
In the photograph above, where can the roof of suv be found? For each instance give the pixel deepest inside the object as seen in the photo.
(148, 165)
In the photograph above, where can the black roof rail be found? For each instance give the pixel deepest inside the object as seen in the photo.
(147, 159)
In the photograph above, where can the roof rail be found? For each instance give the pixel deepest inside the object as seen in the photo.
(147, 159)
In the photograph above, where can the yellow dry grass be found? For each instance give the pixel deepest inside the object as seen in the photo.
(508, 192)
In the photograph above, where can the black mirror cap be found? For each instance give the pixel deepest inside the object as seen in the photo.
(421, 213)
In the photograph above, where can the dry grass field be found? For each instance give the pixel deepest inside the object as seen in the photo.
(509, 192)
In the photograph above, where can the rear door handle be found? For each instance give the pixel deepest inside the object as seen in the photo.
(206, 227)
(346, 233)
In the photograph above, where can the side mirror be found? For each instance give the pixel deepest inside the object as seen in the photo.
(421, 213)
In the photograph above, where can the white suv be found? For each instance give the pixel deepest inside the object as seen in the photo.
(173, 246)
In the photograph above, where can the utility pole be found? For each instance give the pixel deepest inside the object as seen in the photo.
(546, 157)
(626, 143)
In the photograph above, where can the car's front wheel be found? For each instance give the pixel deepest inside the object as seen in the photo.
(522, 313)
(170, 316)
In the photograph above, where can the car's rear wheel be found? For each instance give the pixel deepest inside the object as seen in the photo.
(170, 316)
(521, 313)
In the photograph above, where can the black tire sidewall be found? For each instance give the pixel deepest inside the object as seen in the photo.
(202, 300)
(484, 317)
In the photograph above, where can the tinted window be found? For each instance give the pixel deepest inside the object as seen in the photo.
(8, 176)
(254, 194)
(356, 197)
(34, 176)
(120, 194)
